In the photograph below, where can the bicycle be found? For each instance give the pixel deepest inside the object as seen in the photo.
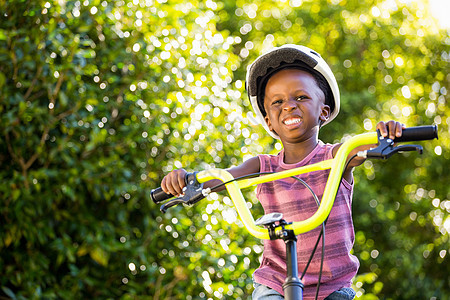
(273, 226)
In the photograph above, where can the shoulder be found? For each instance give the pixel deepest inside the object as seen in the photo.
(326, 151)
(335, 148)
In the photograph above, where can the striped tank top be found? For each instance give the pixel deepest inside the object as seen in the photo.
(289, 197)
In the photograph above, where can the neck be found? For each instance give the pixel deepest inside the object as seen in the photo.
(296, 152)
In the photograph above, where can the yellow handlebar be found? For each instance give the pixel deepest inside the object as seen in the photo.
(336, 165)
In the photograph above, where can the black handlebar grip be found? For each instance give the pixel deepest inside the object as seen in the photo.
(419, 133)
(158, 195)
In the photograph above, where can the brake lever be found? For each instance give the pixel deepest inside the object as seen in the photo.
(193, 192)
(406, 148)
(386, 148)
(170, 203)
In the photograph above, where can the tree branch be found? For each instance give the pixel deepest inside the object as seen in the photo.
(10, 150)
(18, 159)
(36, 154)
(33, 83)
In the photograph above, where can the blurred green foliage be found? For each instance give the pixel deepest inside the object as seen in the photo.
(100, 99)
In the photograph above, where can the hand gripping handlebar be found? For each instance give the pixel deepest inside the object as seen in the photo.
(193, 192)
(386, 146)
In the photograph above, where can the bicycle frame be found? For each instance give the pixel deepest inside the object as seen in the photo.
(336, 165)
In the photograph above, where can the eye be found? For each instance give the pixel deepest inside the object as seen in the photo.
(279, 101)
(300, 98)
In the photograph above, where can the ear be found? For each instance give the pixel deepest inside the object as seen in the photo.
(324, 113)
(269, 124)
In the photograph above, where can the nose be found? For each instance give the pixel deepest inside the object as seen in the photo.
(289, 105)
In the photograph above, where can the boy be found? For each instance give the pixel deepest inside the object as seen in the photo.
(293, 93)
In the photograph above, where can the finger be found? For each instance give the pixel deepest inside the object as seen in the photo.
(395, 129)
(383, 129)
(399, 129)
(181, 182)
(164, 185)
(392, 129)
(178, 181)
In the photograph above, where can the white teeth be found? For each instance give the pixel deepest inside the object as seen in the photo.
(292, 121)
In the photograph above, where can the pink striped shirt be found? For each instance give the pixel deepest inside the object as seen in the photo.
(295, 202)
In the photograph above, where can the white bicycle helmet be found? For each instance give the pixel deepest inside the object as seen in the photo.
(290, 56)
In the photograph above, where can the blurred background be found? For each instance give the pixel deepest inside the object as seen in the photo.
(100, 99)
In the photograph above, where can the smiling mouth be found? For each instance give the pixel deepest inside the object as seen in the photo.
(292, 121)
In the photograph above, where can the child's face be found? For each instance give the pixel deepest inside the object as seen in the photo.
(294, 104)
